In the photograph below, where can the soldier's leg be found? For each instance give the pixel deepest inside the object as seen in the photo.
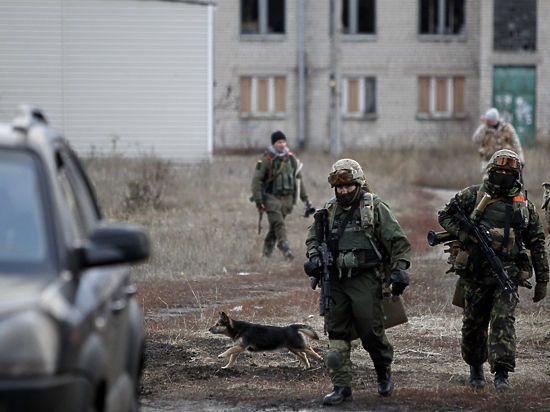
(502, 335)
(273, 208)
(368, 319)
(269, 242)
(478, 300)
(337, 357)
(283, 245)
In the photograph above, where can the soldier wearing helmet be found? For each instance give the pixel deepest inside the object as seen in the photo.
(365, 239)
(276, 184)
(495, 134)
(517, 233)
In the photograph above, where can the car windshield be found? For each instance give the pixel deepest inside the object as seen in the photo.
(23, 240)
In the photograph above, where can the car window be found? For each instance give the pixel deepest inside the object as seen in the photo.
(79, 201)
(23, 237)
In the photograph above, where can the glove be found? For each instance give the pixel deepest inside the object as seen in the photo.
(312, 266)
(540, 291)
(399, 280)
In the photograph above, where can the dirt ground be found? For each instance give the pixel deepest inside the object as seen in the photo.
(183, 373)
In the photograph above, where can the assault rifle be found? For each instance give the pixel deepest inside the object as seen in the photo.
(321, 273)
(483, 237)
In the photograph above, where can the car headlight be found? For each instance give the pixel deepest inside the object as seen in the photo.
(29, 345)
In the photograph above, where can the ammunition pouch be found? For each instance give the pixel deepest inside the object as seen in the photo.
(497, 237)
(525, 267)
(355, 260)
(459, 257)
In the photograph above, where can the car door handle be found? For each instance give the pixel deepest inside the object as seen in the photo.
(118, 305)
(130, 290)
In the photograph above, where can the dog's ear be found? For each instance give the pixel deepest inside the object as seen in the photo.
(223, 315)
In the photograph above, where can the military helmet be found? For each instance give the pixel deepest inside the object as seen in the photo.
(505, 159)
(346, 172)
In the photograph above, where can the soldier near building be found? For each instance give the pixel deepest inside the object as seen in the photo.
(276, 185)
(364, 239)
(500, 208)
(495, 134)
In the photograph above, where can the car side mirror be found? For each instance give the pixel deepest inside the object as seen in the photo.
(112, 243)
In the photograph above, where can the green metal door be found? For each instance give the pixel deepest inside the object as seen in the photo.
(514, 95)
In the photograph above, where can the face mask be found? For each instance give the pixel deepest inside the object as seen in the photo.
(348, 198)
(502, 180)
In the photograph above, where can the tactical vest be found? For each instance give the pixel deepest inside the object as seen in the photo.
(357, 246)
(282, 175)
(503, 212)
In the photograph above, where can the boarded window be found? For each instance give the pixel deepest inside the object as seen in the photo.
(458, 95)
(245, 94)
(353, 96)
(358, 16)
(358, 96)
(263, 103)
(263, 95)
(441, 97)
(441, 17)
(280, 93)
(262, 16)
(515, 25)
(424, 95)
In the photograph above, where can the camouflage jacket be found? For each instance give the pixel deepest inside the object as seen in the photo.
(386, 231)
(492, 139)
(266, 171)
(531, 234)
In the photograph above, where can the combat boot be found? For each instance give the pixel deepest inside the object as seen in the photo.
(385, 384)
(338, 395)
(501, 380)
(477, 379)
(268, 249)
(285, 249)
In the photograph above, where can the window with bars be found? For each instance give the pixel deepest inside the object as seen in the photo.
(441, 17)
(358, 16)
(261, 17)
(358, 96)
(263, 95)
(440, 97)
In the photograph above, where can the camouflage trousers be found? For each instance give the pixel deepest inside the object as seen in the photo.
(356, 312)
(488, 331)
(277, 208)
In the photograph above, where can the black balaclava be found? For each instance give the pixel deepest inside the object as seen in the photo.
(348, 198)
(502, 180)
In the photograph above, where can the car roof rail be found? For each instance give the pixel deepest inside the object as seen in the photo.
(28, 117)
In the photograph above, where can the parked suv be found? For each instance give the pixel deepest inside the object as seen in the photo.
(71, 331)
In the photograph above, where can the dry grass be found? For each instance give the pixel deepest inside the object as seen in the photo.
(207, 257)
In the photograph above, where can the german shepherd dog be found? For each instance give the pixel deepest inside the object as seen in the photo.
(257, 338)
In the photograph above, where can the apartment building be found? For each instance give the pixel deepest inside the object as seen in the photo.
(343, 74)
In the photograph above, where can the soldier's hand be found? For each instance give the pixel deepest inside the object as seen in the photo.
(312, 266)
(540, 291)
(399, 280)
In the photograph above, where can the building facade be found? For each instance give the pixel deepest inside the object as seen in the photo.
(341, 74)
(127, 75)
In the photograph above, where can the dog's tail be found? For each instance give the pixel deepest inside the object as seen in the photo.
(306, 330)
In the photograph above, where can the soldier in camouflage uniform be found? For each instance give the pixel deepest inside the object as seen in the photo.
(364, 236)
(276, 184)
(515, 229)
(495, 134)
